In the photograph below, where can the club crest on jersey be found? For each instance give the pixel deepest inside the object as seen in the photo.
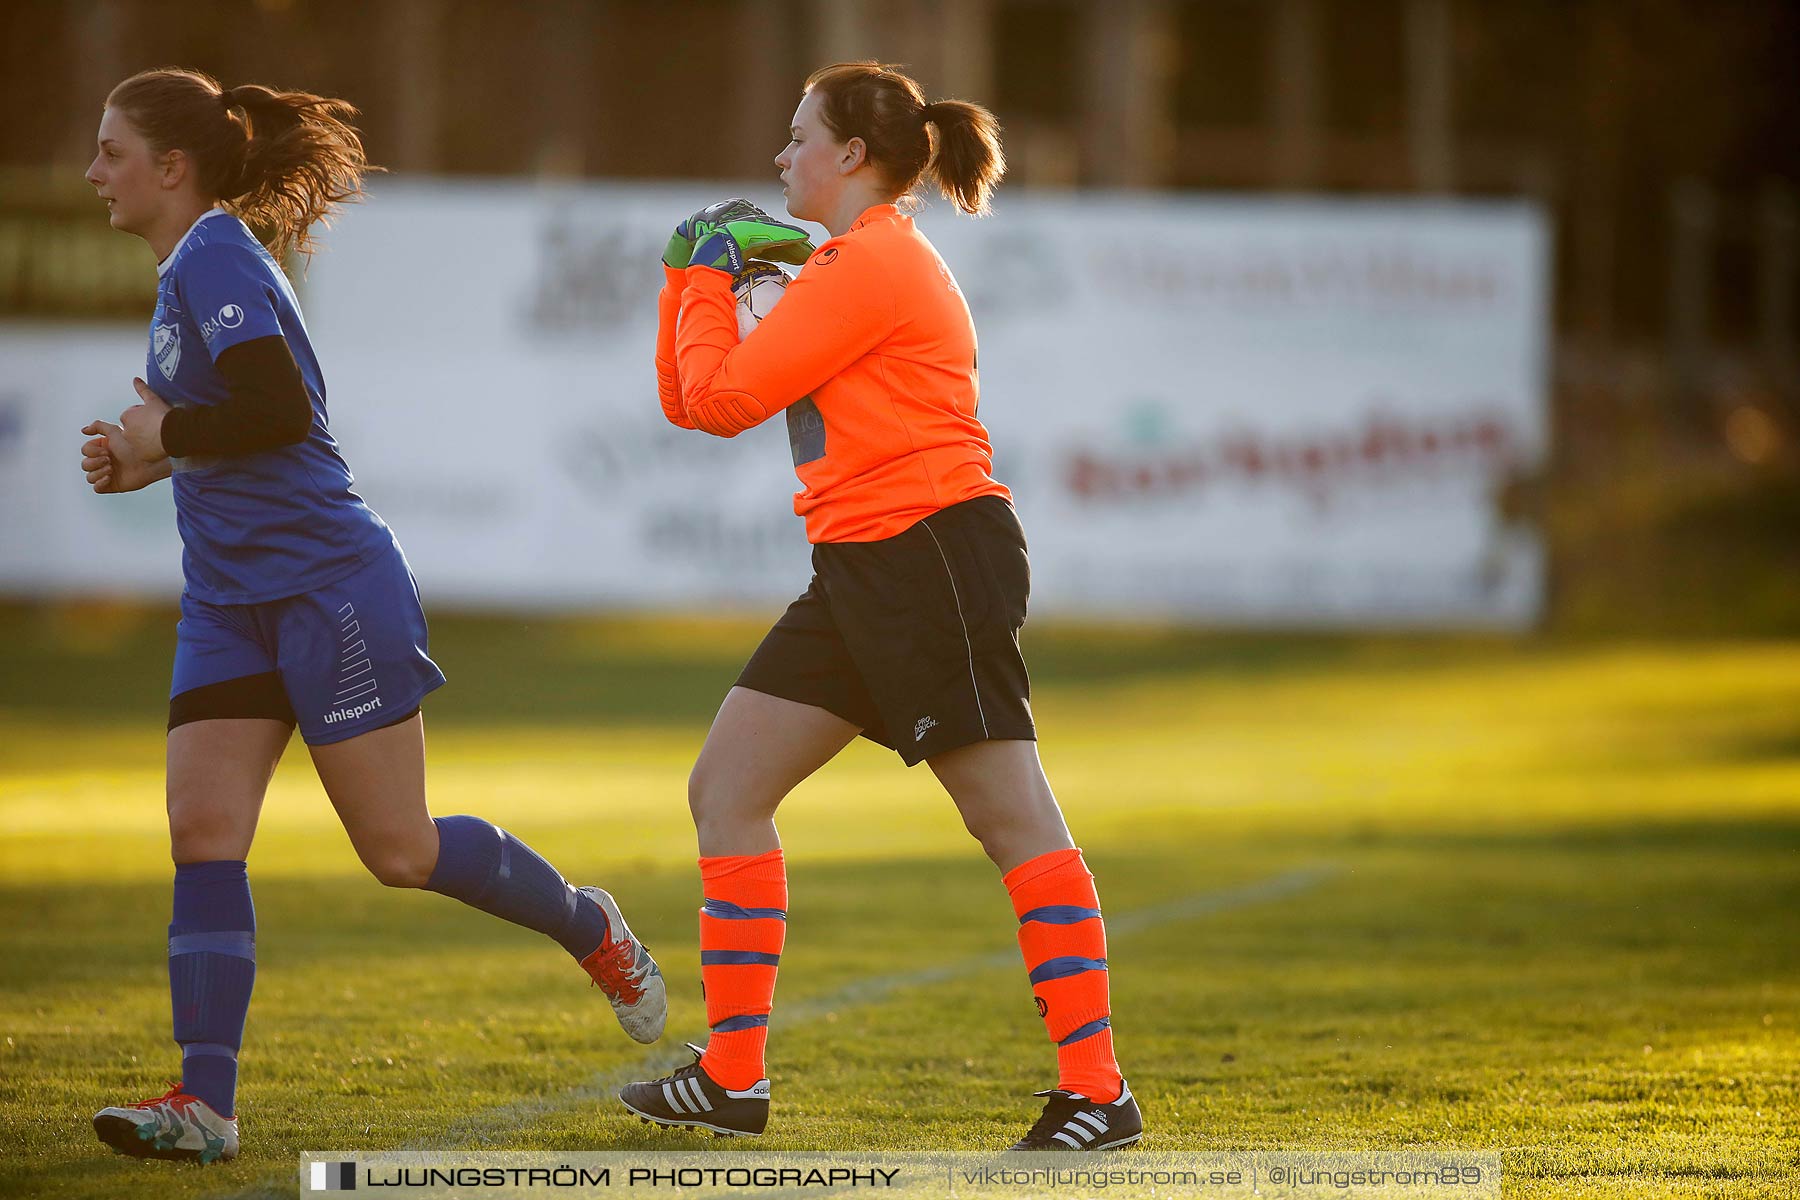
(165, 344)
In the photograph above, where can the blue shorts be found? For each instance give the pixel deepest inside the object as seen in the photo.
(348, 658)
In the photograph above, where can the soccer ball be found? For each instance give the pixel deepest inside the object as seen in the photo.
(757, 293)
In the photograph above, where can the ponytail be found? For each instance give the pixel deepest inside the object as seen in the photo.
(283, 166)
(969, 162)
(302, 159)
(953, 144)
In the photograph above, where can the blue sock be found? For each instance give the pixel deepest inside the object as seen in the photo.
(489, 869)
(212, 967)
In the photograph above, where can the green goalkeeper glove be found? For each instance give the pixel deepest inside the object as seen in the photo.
(746, 237)
(680, 250)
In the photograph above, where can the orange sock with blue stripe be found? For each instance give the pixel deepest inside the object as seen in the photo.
(742, 926)
(1064, 942)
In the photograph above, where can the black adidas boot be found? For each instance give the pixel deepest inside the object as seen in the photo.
(689, 1097)
(1073, 1122)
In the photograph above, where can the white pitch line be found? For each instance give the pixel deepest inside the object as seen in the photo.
(868, 990)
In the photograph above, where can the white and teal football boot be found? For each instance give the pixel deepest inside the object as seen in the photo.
(174, 1125)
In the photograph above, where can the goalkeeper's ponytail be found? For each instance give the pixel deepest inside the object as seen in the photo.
(953, 144)
(969, 162)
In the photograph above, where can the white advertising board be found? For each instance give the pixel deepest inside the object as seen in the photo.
(1257, 412)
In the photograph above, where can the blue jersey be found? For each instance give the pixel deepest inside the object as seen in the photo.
(254, 527)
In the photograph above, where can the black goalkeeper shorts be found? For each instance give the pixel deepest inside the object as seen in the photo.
(914, 638)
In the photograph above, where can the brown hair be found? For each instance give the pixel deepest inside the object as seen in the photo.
(282, 165)
(952, 143)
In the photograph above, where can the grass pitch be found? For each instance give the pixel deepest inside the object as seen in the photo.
(1532, 897)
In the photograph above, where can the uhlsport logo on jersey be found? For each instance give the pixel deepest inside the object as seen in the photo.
(165, 344)
(332, 1177)
(229, 317)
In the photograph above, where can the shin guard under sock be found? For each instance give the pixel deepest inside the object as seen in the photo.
(742, 926)
(212, 968)
(487, 868)
(1064, 943)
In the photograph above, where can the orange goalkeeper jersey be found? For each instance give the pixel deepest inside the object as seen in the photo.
(870, 353)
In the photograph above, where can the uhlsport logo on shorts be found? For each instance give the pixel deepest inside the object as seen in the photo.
(350, 714)
(332, 1177)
